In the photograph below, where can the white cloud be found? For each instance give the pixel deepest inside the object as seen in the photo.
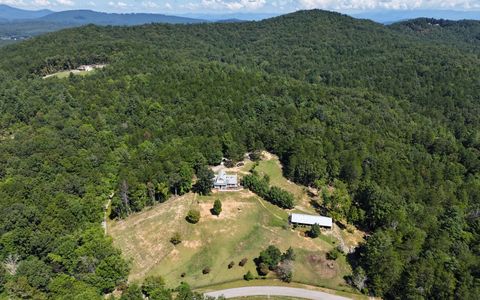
(226, 4)
(388, 4)
(41, 3)
(66, 2)
(150, 4)
(91, 3)
(118, 4)
(13, 2)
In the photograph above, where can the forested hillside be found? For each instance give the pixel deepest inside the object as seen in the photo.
(464, 33)
(394, 116)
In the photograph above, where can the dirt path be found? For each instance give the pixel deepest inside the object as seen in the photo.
(105, 212)
(273, 214)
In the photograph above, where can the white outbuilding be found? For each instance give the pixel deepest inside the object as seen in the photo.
(302, 219)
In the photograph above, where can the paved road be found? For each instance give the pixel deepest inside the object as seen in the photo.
(275, 291)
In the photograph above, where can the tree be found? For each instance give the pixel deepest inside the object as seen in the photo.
(133, 292)
(285, 271)
(359, 278)
(217, 207)
(289, 254)
(152, 285)
(65, 287)
(263, 269)
(314, 231)
(36, 271)
(204, 183)
(280, 197)
(270, 257)
(19, 288)
(193, 216)
(337, 201)
(160, 294)
(111, 272)
(3, 277)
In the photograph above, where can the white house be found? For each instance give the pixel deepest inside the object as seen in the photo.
(222, 181)
(303, 219)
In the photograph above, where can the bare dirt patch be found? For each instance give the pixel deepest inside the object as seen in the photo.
(230, 209)
(192, 244)
(325, 268)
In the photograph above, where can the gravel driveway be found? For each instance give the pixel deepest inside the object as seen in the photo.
(275, 291)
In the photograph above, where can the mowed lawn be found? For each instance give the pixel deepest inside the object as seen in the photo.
(246, 226)
(65, 74)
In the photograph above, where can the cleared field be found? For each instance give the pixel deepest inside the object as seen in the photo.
(65, 74)
(271, 166)
(246, 226)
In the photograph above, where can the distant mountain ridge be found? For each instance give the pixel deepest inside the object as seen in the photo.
(393, 16)
(8, 13)
(101, 18)
(18, 24)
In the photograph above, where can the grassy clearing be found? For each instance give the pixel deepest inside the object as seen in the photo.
(271, 166)
(65, 74)
(246, 226)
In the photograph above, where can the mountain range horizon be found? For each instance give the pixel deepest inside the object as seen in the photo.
(11, 13)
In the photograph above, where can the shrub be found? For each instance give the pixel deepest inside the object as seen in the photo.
(243, 262)
(193, 216)
(176, 239)
(249, 276)
(231, 264)
(152, 283)
(255, 155)
(217, 207)
(314, 231)
(262, 269)
(229, 163)
(333, 254)
(288, 255)
(183, 274)
(206, 270)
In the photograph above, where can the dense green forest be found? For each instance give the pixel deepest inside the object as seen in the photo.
(386, 115)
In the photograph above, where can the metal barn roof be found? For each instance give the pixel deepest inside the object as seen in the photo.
(310, 220)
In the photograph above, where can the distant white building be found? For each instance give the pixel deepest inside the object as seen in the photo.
(303, 219)
(222, 181)
(87, 68)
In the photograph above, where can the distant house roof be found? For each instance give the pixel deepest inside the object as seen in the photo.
(310, 220)
(223, 179)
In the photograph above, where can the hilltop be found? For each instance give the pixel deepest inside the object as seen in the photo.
(11, 13)
(383, 123)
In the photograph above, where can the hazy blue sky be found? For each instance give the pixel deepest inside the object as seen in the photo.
(236, 6)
